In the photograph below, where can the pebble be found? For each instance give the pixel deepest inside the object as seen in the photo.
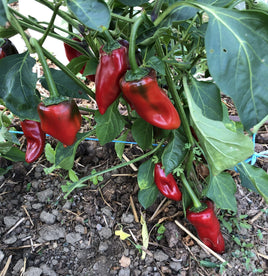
(47, 218)
(105, 233)
(52, 232)
(79, 228)
(160, 256)
(124, 272)
(127, 218)
(10, 240)
(33, 271)
(17, 267)
(67, 205)
(47, 271)
(37, 206)
(103, 246)
(45, 195)
(72, 238)
(9, 221)
(1, 256)
(176, 266)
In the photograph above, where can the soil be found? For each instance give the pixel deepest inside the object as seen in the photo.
(42, 233)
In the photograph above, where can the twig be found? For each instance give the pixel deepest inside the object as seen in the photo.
(23, 269)
(4, 271)
(262, 255)
(26, 246)
(25, 210)
(179, 213)
(133, 167)
(15, 225)
(104, 199)
(251, 221)
(160, 208)
(133, 209)
(202, 244)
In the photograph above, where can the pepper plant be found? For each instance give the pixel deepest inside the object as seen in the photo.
(169, 64)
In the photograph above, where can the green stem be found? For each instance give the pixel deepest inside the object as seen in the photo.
(92, 45)
(257, 126)
(50, 82)
(50, 25)
(132, 44)
(157, 6)
(67, 71)
(122, 18)
(89, 177)
(196, 202)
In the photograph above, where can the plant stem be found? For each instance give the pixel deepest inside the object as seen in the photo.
(122, 18)
(67, 71)
(50, 25)
(196, 202)
(50, 82)
(89, 177)
(132, 44)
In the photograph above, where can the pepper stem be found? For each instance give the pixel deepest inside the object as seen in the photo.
(132, 44)
(196, 202)
(50, 82)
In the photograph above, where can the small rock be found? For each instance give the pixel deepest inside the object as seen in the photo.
(172, 234)
(105, 233)
(52, 232)
(72, 238)
(47, 218)
(47, 271)
(103, 246)
(37, 206)
(9, 221)
(33, 271)
(176, 266)
(79, 228)
(67, 205)
(160, 256)
(124, 272)
(10, 240)
(127, 218)
(2, 256)
(45, 195)
(17, 267)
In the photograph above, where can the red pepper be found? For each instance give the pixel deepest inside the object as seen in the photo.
(150, 101)
(35, 137)
(207, 227)
(111, 68)
(7, 48)
(166, 184)
(72, 53)
(62, 121)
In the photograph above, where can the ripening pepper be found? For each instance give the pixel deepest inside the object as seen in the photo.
(35, 138)
(112, 66)
(7, 48)
(72, 53)
(207, 227)
(62, 120)
(150, 101)
(166, 184)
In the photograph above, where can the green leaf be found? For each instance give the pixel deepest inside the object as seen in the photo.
(207, 96)
(175, 151)
(17, 86)
(72, 175)
(142, 133)
(64, 157)
(148, 196)
(157, 64)
(145, 176)
(109, 125)
(222, 147)
(222, 190)
(4, 171)
(254, 178)
(236, 45)
(3, 17)
(120, 146)
(50, 153)
(133, 3)
(65, 85)
(14, 155)
(94, 14)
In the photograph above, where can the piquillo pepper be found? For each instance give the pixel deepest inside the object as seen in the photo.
(207, 227)
(150, 101)
(112, 66)
(62, 121)
(35, 137)
(166, 184)
(72, 53)
(7, 48)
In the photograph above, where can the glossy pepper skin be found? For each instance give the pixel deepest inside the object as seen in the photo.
(72, 53)
(150, 101)
(35, 137)
(7, 48)
(207, 227)
(112, 66)
(62, 121)
(166, 184)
